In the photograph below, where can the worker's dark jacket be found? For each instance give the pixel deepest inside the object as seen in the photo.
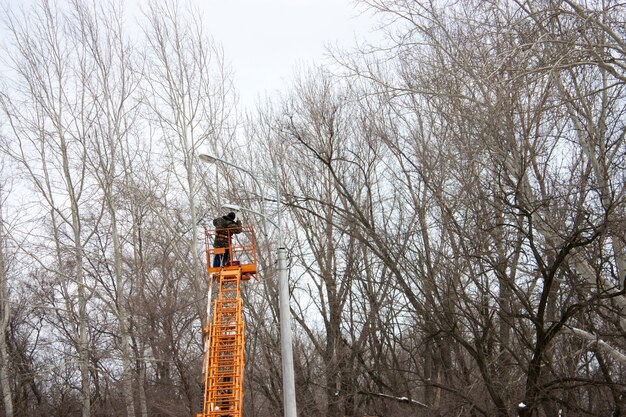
(221, 236)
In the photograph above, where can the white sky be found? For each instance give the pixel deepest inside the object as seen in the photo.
(266, 40)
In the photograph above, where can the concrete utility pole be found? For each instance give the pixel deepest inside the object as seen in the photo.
(289, 386)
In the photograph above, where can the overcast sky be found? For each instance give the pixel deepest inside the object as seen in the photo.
(266, 40)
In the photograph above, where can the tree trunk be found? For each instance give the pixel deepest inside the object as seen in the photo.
(5, 317)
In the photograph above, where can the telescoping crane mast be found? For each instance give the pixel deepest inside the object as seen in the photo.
(223, 334)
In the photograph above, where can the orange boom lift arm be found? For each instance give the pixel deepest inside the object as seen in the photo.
(223, 336)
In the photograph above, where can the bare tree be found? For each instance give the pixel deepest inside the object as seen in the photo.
(111, 84)
(190, 96)
(50, 121)
(483, 180)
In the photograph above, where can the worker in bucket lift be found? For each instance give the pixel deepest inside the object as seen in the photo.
(226, 226)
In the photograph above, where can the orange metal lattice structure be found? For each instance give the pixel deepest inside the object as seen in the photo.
(224, 336)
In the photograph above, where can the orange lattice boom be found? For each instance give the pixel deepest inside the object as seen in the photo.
(224, 336)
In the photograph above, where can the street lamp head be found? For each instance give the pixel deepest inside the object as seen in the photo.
(205, 157)
(233, 207)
